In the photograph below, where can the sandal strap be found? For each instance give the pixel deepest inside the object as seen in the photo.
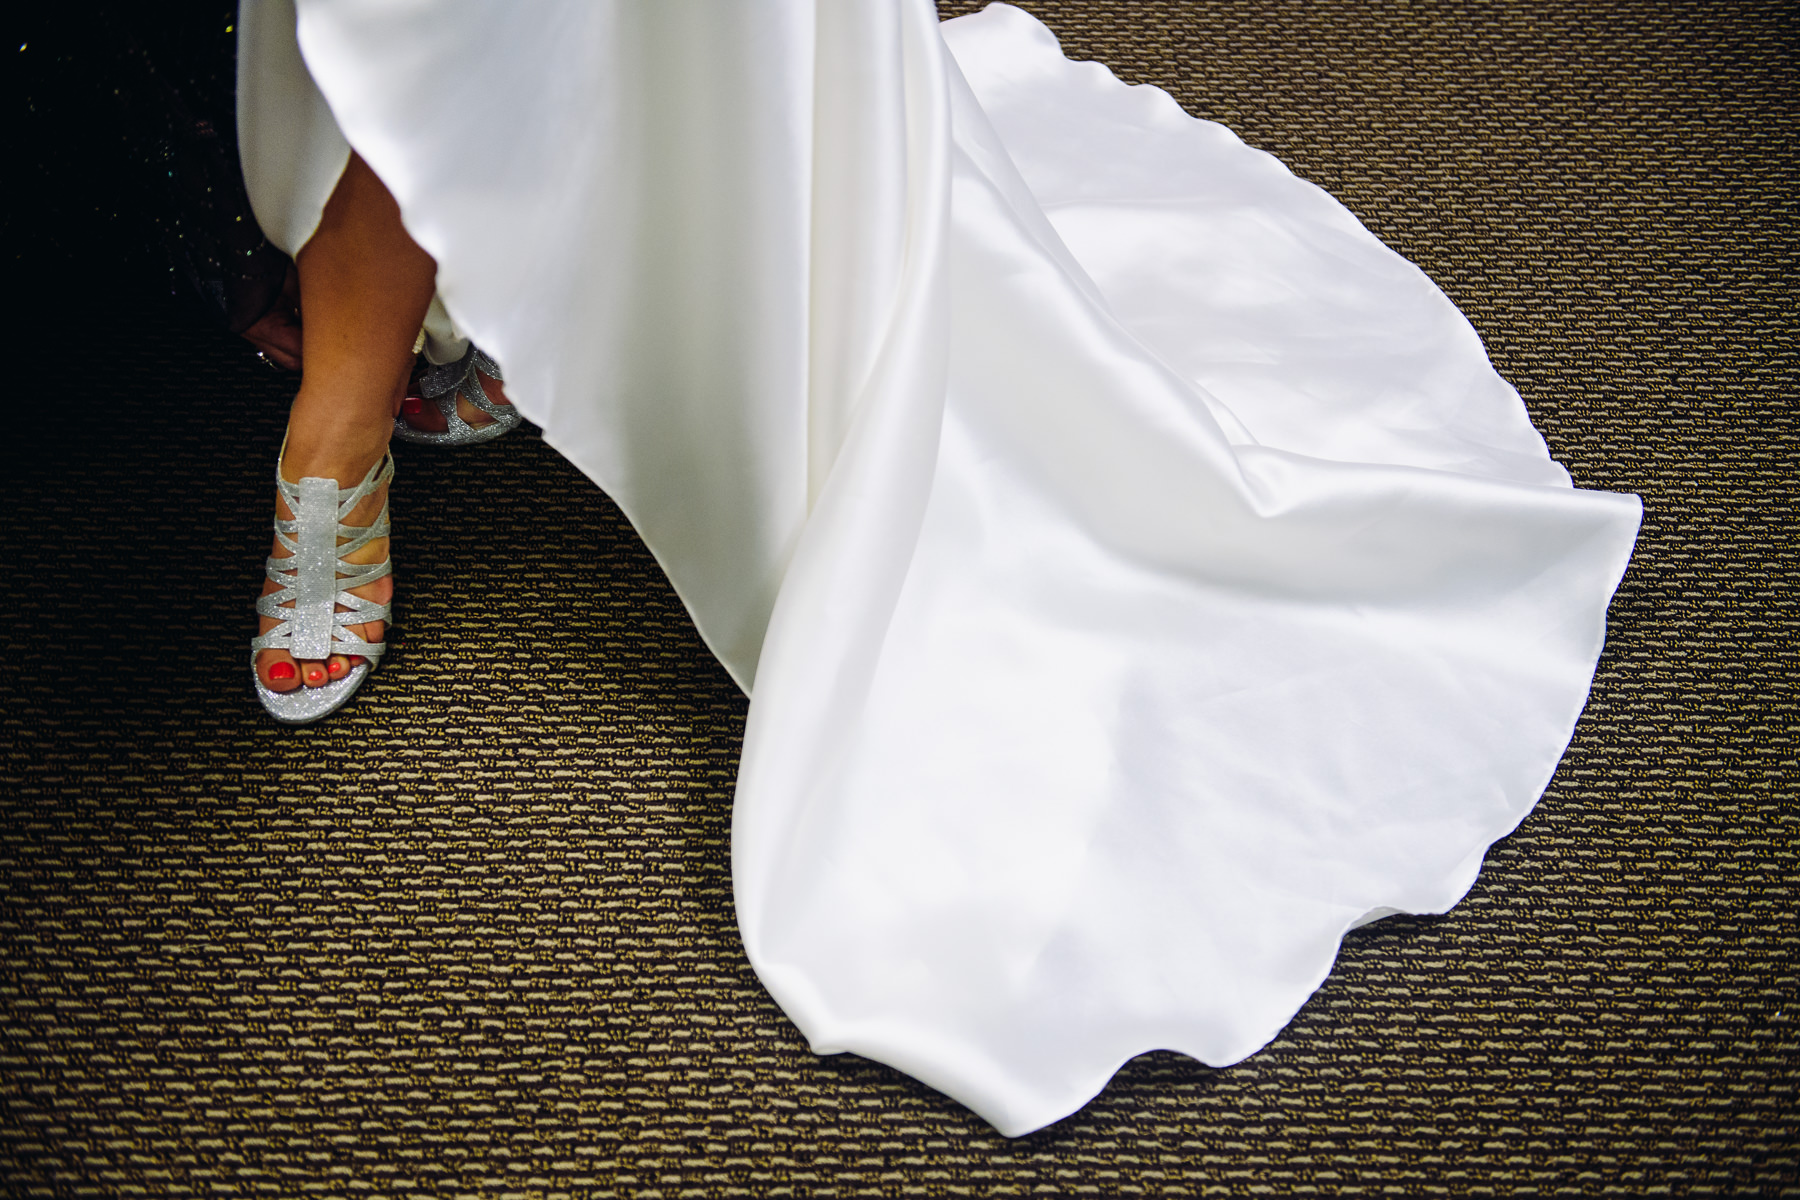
(463, 377)
(454, 425)
(441, 377)
(314, 580)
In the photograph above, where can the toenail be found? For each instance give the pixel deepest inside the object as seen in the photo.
(357, 660)
(282, 670)
(336, 669)
(314, 674)
(412, 406)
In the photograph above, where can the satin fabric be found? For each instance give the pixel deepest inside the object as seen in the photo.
(1140, 575)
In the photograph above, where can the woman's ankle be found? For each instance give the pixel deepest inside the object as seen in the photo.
(343, 458)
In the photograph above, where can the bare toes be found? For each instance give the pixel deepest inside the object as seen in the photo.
(279, 674)
(313, 674)
(422, 415)
(337, 666)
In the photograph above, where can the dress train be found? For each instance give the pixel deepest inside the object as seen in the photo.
(1139, 572)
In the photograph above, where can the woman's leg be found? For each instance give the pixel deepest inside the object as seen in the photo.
(364, 287)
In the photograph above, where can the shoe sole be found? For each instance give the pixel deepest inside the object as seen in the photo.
(304, 705)
(476, 435)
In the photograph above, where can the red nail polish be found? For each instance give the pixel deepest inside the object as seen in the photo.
(412, 406)
(336, 669)
(314, 674)
(357, 660)
(282, 670)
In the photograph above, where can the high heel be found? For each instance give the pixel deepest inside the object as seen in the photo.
(314, 581)
(442, 385)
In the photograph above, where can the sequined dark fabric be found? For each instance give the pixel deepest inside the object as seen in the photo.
(144, 100)
(473, 935)
(201, 215)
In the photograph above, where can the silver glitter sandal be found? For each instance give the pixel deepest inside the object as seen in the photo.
(314, 581)
(442, 385)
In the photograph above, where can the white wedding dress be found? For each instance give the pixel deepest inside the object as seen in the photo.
(1139, 573)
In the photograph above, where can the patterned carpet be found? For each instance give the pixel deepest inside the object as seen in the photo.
(474, 936)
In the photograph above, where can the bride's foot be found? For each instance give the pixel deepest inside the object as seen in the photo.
(424, 416)
(451, 394)
(367, 286)
(278, 669)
